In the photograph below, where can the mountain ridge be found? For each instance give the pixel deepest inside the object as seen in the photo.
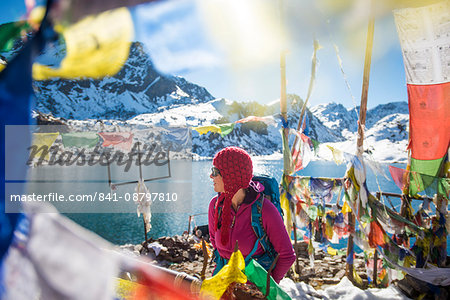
(141, 95)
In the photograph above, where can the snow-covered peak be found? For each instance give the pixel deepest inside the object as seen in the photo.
(380, 111)
(138, 88)
(140, 96)
(335, 116)
(190, 115)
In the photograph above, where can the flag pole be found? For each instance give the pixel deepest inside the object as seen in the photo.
(360, 141)
(283, 104)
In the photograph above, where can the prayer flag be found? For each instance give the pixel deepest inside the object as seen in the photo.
(302, 154)
(424, 47)
(222, 129)
(10, 33)
(44, 140)
(80, 139)
(119, 140)
(338, 155)
(180, 136)
(208, 128)
(143, 204)
(346, 208)
(331, 251)
(225, 128)
(269, 120)
(258, 275)
(376, 235)
(97, 46)
(39, 255)
(232, 272)
(429, 108)
(399, 176)
(15, 99)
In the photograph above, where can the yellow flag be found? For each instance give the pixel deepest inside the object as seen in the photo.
(44, 139)
(331, 251)
(232, 272)
(338, 155)
(97, 46)
(126, 289)
(284, 203)
(346, 208)
(207, 128)
(357, 278)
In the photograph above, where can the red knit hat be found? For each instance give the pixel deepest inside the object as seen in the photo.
(236, 169)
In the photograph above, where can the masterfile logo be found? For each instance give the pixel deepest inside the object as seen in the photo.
(111, 169)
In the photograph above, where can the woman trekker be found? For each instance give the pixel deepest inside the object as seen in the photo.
(230, 213)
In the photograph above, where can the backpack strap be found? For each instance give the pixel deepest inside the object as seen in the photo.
(257, 225)
(256, 217)
(258, 228)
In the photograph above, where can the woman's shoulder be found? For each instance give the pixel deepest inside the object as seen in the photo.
(268, 206)
(212, 203)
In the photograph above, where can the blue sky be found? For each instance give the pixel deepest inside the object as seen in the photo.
(261, 82)
(232, 47)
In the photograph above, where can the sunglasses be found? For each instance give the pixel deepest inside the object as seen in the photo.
(215, 172)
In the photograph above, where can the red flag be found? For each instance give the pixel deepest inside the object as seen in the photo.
(119, 140)
(399, 176)
(429, 109)
(376, 235)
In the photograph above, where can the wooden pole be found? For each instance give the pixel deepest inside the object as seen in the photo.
(269, 273)
(349, 269)
(205, 260)
(189, 224)
(375, 267)
(283, 101)
(297, 266)
(140, 180)
(361, 123)
(283, 105)
(145, 228)
(442, 212)
(365, 87)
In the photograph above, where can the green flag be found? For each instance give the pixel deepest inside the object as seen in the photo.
(80, 139)
(225, 128)
(258, 275)
(423, 175)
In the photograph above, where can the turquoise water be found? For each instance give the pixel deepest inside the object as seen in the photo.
(122, 228)
(128, 228)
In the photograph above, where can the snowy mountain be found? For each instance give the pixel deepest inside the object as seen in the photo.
(141, 96)
(336, 117)
(377, 113)
(138, 88)
(386, 134)
(258, 138)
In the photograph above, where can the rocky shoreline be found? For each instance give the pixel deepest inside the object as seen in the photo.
(184, 254)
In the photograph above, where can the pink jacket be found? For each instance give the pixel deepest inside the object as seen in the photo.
(242, 231)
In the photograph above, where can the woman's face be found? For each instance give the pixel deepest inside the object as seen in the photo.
(217, 181)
